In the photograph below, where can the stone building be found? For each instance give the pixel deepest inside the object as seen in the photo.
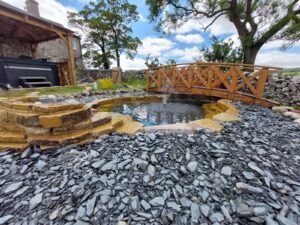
(53, 51)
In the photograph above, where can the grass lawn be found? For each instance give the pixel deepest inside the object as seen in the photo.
(42, 91)
(131, 84)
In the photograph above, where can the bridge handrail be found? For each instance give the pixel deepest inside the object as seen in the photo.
(226, 80)
(221, 64)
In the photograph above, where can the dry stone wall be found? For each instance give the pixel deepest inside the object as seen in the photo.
(103, 74)
(283, 88)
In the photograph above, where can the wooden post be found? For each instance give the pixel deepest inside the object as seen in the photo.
(71, 60)
(33, 50)
(261, 83)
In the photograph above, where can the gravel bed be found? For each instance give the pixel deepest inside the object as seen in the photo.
(248, 174)
(87, 97)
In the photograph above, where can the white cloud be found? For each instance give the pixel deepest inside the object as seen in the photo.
(131, 64)
(189, 38)
(219, 27)
(154, 46)
(278, 59)
(278, 44)
(142, 18)
(49, 9)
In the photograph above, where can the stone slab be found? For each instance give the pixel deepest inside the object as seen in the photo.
(23, 118)
(12, 137)
(65, 118)
(59, 139)
(13, 146)
(101, 130)
(56, 107)
(208, 124)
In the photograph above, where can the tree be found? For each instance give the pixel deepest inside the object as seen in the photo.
(256, 21)
(152, 62)
(107, 25)
(222, 51)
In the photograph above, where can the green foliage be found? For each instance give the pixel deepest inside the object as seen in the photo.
(152, 62)
(107, 24)
(222, 51)
(257, 21)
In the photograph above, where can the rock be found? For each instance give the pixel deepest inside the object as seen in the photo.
(192, 166)
(159, 150)
(13, 187)
(191, 140)
(108, 166)
(246, 187)
(146, 179)
(35, 201)
(40, 165)
(151, 170)
(204, 195)
(216, 217)
(135, 203)
(270, 221)
(98, 164)
(157, 201)
(90, 206)
(195, 212)
(226, 170)
(185, 202)
(254, 167)
(151, 136)
(226, 213)
(146, 206)
(205, 210)
(249, 175)
(284, 221)
(121, 223)
(259, 211)
(54, 214)
(174, 206)
(5, 219)
(26, 153)
(244, 211)
(141, 164)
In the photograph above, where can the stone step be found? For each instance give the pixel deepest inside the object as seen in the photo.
(101, 130)
(13, 146)
(12, 137)
(58, 139)
(65, 118)
(56, 107)
(23, 118)
(14, 127)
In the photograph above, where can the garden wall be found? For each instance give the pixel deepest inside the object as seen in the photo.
(284, 88)
(103, 74)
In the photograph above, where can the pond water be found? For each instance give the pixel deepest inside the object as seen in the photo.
(157, 113)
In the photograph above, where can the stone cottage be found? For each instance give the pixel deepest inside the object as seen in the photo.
(53, 51)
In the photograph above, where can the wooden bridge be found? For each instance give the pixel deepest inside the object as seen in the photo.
(239, 82)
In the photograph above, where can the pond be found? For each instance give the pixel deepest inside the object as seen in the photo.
(158, 113)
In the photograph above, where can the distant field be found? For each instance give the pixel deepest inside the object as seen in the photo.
(291, 71)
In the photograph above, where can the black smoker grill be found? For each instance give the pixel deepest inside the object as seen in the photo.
(28, 73)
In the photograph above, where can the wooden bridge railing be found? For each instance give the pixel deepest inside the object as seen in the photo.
(240, 82)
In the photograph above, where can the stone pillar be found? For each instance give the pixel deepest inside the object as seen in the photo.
(32, 7)
(116, 75)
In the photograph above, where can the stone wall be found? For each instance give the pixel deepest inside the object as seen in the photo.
(54, 51)
(14, 48)
(284, 88)
(103, 74)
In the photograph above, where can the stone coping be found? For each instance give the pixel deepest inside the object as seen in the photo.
(26, 121)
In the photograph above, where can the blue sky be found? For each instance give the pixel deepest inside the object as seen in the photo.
(182, 44)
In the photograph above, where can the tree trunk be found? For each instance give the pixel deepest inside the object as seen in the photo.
(250, 54)
(118, 58)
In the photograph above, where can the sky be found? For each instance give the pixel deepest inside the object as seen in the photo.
(182, 44)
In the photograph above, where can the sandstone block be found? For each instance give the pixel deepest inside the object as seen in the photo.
(65, 118)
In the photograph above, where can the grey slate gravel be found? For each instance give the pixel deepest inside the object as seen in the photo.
(156, 178)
